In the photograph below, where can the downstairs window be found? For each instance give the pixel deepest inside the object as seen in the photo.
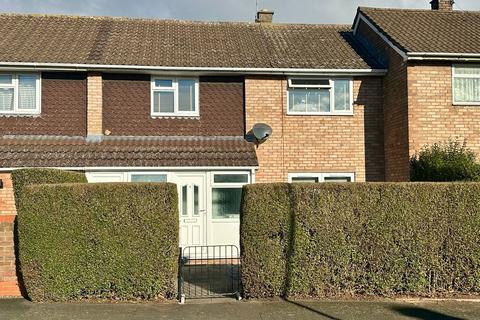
(320, 177)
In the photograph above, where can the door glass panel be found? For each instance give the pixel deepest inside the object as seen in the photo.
(184, 200)
(196, 210)
(226, 203)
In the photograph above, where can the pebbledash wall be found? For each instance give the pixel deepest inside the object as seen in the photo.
(317, 144)
(8, 278)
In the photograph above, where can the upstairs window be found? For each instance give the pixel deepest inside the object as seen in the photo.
(19, 93)
(466, 84)
(174, 97)
(320, 97)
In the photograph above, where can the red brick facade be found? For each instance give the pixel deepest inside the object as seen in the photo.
(8, 278)
(317, 144)
(432, 116)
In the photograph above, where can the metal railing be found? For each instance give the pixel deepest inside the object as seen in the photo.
(209, 271)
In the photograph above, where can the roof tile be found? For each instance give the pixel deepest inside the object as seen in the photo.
(429, 31)
(48, 151)
(143, 42)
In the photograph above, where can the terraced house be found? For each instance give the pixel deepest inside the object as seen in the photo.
(128, 100)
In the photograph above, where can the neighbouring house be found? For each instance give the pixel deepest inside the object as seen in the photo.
(136, 100)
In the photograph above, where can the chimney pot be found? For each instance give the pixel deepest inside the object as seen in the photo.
(442, 5)
(264, 16)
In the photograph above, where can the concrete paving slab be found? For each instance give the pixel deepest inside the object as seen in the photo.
(18, 309)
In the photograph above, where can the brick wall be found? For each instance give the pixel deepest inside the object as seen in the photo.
(94, 105)
(8, 279)
(396, 130)
(317, 143)
(432, 115)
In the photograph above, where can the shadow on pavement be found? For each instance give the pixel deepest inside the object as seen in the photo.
(298, 304)
(423, 314)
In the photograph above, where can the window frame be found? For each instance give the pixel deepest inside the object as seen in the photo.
(175, 90)
(16, 110)
(141, 173)
(226, 185)
(331, 87)
(321, 176)
(470, 76)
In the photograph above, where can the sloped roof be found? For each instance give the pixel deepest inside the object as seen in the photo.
(48, 151)
(430, 31)
(173, 43)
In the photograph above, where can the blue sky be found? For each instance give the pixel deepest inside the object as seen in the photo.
(301, 11)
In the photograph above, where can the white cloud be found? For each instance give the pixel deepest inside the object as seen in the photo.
(300, 11)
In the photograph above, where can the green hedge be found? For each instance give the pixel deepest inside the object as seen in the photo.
(106, 241)
(324, 240)
(24, 177)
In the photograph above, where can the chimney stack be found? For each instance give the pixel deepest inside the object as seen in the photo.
(264, 16)
(442, 5)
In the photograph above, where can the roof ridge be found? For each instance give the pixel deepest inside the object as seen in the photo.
(166, 20)
(362, 8)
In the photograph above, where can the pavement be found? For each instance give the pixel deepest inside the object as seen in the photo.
(13, 309)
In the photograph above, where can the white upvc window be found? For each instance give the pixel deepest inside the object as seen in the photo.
(176, 97)
(314, 96)
(320, 177)
(20, 93)
(227, 194)
(466, 84)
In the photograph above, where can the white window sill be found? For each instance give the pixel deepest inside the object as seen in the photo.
(290, 113)
(16, 114)
(466, 104)
(174, 116)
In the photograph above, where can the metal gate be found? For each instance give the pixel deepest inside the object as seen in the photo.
(209, 271)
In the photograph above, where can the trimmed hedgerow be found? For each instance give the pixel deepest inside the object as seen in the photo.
(24, 177)
(363, 239)
(265, 230)
(106, 241)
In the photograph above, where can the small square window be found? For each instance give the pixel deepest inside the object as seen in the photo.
(162, 83)
(20, 93)
(174, 97)
(319, 96)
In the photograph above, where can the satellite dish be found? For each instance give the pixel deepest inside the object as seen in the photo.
(262, 131)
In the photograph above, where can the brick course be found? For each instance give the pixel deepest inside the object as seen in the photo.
(317, 143)
(8, 278)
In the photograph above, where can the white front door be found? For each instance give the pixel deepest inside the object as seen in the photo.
(192, 208)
